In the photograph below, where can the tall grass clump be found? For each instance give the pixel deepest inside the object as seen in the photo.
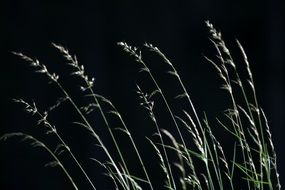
(190, 154)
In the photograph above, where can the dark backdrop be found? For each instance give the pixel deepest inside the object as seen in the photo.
(90, 29)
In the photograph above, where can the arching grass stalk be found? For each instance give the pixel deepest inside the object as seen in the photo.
(233, 113)
(133, 51)
(228, 61)
(37, 143)
(127, 132)
(180, 165)
(148, 104)
(40, 68)
(255, 132)
(51, 129)
(185, 94)
(80, 72)
(256, 108)
(94, 134)
(175, 73)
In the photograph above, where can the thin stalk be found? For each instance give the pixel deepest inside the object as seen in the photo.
(166, 156)
(116, 112)
(148, 104)
(138, 154)
(41, 68)
(175, 73)
(63, 168)
(257, 108)
(38, 143)
(81, 73)
(110, 131)
(220, 47)
(138, 57)
(70, 152)
(76, 161)
(93, 133)
(216, 164)
(240, 84)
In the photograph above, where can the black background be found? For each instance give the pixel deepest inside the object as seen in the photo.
(91, 29)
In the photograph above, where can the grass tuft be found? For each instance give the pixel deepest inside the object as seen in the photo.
(191, 156)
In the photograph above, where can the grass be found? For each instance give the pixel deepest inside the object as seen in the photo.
(191, 156)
